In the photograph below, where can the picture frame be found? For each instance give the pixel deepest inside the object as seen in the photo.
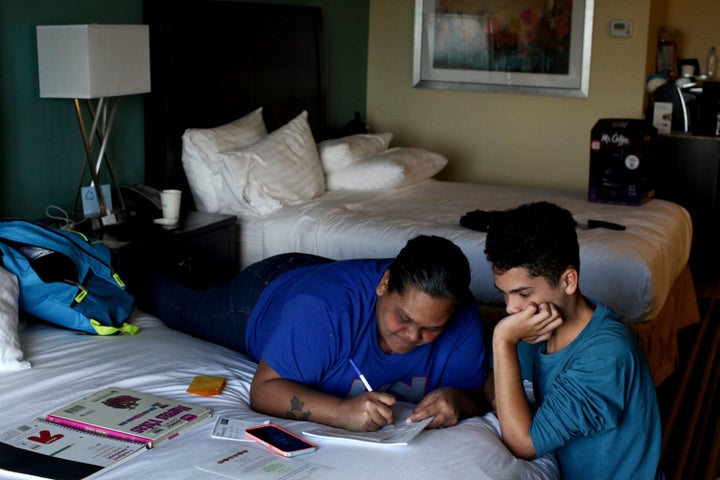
(505, 46)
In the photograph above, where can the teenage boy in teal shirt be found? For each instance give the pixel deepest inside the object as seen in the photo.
(596, 402)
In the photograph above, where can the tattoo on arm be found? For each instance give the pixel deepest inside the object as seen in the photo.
(296, 412)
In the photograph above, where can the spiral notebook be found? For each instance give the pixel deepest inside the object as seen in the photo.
(40, 449)
(131, 415)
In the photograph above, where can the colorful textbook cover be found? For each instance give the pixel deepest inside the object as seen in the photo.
(40, 449)
(130, 415)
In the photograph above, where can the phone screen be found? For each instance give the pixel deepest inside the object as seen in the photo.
(283, 441)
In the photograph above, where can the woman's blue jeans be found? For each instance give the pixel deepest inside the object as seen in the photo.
(220, 313)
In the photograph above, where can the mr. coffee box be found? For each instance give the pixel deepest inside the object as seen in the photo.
(622, 161)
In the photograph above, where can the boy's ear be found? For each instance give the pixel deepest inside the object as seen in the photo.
(569, 281)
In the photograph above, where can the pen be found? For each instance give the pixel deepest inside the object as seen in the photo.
(362, 377)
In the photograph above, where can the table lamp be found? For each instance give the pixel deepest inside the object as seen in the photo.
(101, 63)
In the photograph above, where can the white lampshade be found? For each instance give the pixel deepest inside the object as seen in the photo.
(93, 61)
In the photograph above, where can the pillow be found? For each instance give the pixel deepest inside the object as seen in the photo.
(11, 356)
(199, 156)
(281, 169)
(340, 152)
(395, 167)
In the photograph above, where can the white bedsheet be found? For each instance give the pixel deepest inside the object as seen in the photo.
(631, 270)
(67, 366)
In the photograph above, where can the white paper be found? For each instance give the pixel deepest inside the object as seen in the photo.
(400, 433)
(234, 429)
(252, 463)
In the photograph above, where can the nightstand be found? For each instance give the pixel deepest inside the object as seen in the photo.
(201, 251)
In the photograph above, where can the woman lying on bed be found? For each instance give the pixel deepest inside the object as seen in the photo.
(410, 325)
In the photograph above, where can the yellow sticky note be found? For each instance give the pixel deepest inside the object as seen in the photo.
(206, 385)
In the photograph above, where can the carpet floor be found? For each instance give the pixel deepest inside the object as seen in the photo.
(689, 399)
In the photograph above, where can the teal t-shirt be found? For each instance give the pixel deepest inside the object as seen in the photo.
(597, 405)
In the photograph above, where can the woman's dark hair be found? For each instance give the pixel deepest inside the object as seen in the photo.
(434, 266)
(539, 237)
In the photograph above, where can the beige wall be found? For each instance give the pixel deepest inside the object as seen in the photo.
(698, 25)
(505, 138)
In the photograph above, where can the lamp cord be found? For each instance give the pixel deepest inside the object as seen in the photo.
(63, 219)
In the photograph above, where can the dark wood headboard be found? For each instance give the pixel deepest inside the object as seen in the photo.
(213, 61)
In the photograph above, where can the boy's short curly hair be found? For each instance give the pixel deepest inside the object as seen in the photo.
(539, 237)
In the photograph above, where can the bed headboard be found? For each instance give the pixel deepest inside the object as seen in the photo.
(213, 61)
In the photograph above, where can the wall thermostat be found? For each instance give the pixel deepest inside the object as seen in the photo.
(620, 28)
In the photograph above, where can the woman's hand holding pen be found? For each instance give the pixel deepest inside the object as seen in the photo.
(368, 412)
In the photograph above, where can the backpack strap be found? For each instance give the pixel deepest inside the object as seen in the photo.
(108, 330)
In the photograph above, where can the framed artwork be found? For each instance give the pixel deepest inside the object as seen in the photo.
(539, 47)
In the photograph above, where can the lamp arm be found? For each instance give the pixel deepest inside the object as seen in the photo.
(88, 158)
(103, 134)
(95, 131)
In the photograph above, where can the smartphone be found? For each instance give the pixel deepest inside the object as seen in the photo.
(280, 440)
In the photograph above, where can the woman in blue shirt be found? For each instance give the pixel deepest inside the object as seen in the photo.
(410, 324)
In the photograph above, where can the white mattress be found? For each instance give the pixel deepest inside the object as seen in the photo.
(67, 366)
(632, 270)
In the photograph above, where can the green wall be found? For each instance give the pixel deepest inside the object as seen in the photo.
(41, 152)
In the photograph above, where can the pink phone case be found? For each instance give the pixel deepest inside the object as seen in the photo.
(285, 443)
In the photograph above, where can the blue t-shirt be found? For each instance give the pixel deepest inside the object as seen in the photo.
(597, 405)
(310, 322)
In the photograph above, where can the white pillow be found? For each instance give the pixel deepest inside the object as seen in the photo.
(340, 152)
(199, 156)
(11, 355)
(281, 169)
(395, 167)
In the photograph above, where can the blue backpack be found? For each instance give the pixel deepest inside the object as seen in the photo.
(65, 278)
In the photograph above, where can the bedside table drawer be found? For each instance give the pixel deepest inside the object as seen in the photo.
(202, 251)
(201, 258)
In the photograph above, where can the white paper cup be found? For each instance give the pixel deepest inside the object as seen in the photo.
(170, 200)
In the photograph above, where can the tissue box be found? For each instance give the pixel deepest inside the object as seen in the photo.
(622, 161)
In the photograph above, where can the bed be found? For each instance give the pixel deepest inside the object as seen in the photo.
(149, 362)
(325, 201)
(641, 272)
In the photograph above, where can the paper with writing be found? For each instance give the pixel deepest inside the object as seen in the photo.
(400, 433)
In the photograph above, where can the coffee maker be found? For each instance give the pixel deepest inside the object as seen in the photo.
(695, 106)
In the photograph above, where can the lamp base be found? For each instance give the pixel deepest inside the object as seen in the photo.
(115, 218)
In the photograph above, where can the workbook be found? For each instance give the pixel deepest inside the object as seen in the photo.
(130, 415)
(40, 449)
(399, 433)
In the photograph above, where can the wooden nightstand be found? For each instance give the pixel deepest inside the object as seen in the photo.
(201, 251)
